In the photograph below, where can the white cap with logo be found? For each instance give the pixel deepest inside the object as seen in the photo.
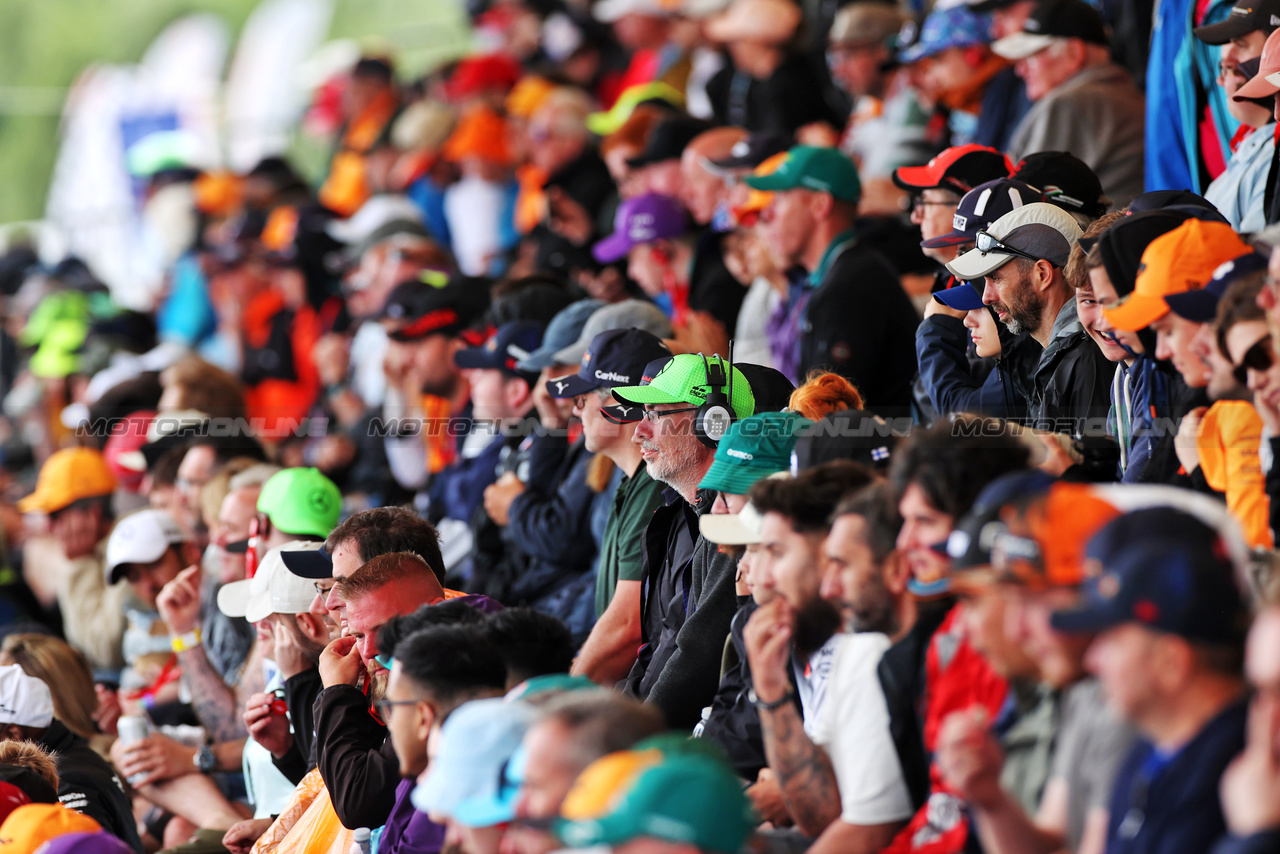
(24, 700)
(141, 537)
(273, 588)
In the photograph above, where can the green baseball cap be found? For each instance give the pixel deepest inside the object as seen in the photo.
(688, 799)
(684, 380)
(808, 167)
(753, 448)
(301, 501)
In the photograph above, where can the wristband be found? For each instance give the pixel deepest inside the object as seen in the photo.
(769, 707)
(182, 643)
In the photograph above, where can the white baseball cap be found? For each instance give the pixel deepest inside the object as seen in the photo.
(273, 588)
(140, 537)
(733, 529)
(24, 700)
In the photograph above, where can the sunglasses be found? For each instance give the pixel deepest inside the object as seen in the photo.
(1256, 358)
(987, 243)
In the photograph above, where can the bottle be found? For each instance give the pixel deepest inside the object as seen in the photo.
(360, 842)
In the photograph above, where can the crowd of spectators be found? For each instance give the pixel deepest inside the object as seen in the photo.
(697, 426)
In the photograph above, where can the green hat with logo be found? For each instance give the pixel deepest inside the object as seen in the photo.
(684, 380)
(687, 799)
(301, 501)
(753, 448)
(809, 167)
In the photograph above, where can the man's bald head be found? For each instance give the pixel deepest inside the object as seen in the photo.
(701, 191)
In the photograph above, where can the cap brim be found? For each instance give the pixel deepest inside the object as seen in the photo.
(233, 598)
(1089, 619)
(1020, 45)
(543, 357)
(1223, 31)
(259, 607)
(916, 178)
(726, 529)
(1199, 306)
(35, 503)
(734, 478)
(563, 388)
(1138, 311)
(973, 265)
(238, 547)
(622, 414)
(933, 588)
(613, 248)
(1257, 87)
(646, 394)
(475, 358)
(485, 812)
(603, 124)
(962, 297)
(954, 238)
(771, 183)
(310, 563)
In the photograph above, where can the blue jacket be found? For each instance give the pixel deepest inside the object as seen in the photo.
(942, 347)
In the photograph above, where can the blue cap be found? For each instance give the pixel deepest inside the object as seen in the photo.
(963, 296)
(1201, 306)
(983, 205)
(504, 350)
(1164, 569)
(615, 357)
(470, 779)
(562, 331)
(957, 26)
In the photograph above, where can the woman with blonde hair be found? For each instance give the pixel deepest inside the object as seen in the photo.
(65, 670)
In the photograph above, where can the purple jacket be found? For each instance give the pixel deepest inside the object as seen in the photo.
(408, 831)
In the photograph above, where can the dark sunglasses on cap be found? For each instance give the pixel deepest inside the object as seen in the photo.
(1256, 358)
(987, 243)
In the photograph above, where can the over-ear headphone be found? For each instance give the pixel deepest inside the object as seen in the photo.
(716, 413)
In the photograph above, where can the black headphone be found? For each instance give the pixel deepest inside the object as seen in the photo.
(716, 413)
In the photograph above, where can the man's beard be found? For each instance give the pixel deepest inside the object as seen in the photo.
(815, 622)
(1025, 309)
(874, 611)
(378, 684)
(674, 464)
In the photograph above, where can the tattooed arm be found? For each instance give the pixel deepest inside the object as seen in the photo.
(803, 771)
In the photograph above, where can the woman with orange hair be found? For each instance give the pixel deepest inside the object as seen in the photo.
(822, 393)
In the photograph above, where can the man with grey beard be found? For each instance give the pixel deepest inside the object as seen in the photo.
(1022, 257)
(688, 597)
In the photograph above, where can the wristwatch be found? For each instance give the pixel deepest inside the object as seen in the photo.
(204, 760)
(769, 707)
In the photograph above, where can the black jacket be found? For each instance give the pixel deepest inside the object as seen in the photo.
(861, 324)
(734, 723)
(1069, 389)
(686, 607)
(88, 785)
(300, 693)
(355, 757)
(789, 99)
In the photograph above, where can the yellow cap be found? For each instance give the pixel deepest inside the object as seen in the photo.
(599, 784)
(67, 477)
(30, 826)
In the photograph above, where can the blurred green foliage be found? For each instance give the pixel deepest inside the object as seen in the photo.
(44, 45)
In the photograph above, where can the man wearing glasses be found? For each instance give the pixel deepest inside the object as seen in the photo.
(688, 597)
(1020, 259)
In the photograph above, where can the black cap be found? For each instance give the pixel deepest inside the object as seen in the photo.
(434, 304)
(30, 783)
(508, 346)
(849, 434)
(615, 357)
(1053, 19)
(1121, 246)
(1066, 181)
(754, 150)
(668, 141)
(771, 388)
(308, 563)
(1261, 15)
(630, 413)
(1165, 199)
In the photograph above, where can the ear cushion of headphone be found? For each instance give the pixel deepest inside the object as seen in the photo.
(713, 422)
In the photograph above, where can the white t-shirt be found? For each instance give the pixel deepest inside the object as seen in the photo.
(853, 728)
(811, 681)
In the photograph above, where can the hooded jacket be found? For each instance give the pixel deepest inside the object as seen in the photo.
(942, 346)
(1069, 388)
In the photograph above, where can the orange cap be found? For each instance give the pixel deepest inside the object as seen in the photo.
(480, 133)
(528, 95)
(1059, 523)
(758, 200)
(1181, 260)
(28, 827)
(218, 193)
(67, 477)
(280, 229)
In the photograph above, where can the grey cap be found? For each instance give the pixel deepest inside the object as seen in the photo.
(866, 23)
(628, 314)
(1039, 229)
(562, 331)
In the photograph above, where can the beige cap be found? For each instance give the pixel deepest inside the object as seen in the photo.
(866, 23)
(763, 21)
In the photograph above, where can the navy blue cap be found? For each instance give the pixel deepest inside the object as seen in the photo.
(1160, 199)
(963, 296)
(562, 331)
(309, 563)
(630, 413)
(983, 205)
(614, 357)
(1163, 569)
(1201, 306)
(512, 342)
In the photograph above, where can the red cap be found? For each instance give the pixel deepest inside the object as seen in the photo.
(959, 169)
(477, 73)
(128, 436)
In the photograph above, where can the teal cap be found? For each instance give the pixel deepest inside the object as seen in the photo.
(809, 167)
(753, 448)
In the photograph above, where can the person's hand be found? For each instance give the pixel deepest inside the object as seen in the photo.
(970, 758)
(240, 837)
(179, 601)
(568, 219)
(820, 134)
(340, 663)
(291, 658)
(332, 355)
(933, 307)
(77, 530)
(1250, 788)
(109, 710)
(766, 796)
(154, 759)
(1186, 444)
(265, 726)
(1269, 414)
(1057, 459)
(768, 642)
(499, 495)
